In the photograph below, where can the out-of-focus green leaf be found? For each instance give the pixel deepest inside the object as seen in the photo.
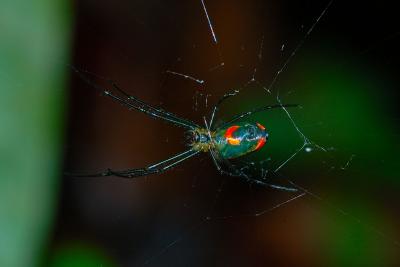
(33, 49)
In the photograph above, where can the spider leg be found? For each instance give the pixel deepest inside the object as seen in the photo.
(232, 170)
(132, 102)
(275, 186)
(213, 154)
(256, 110)
(158, 167)
(242, 115)
(215, 161)
(159, 110)
(216, 107)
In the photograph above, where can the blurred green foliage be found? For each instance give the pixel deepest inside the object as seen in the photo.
(343, 110)
(79, 255)
(33, 50)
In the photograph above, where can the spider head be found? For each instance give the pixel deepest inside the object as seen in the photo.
(200, 139)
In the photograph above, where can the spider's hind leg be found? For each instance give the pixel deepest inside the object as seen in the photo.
(220, 101)
(227, 168)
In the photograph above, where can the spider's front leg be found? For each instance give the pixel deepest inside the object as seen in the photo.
(158, 167)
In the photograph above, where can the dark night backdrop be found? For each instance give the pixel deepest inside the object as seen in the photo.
(346, 78)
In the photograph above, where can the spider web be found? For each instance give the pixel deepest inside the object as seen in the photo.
(298, 155)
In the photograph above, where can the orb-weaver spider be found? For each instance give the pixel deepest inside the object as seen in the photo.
(232, 139)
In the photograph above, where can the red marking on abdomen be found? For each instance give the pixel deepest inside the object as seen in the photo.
(230, 131)
(260, 143)
(260, 126)
(229, 138)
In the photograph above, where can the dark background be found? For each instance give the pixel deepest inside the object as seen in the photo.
(159, 220)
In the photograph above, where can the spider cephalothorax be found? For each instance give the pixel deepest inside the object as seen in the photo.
(202, 139)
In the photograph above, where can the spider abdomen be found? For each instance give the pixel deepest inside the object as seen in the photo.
(240, 139)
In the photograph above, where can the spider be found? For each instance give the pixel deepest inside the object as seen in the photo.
(233, 139)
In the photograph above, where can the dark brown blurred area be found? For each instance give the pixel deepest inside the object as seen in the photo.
(160, 218)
